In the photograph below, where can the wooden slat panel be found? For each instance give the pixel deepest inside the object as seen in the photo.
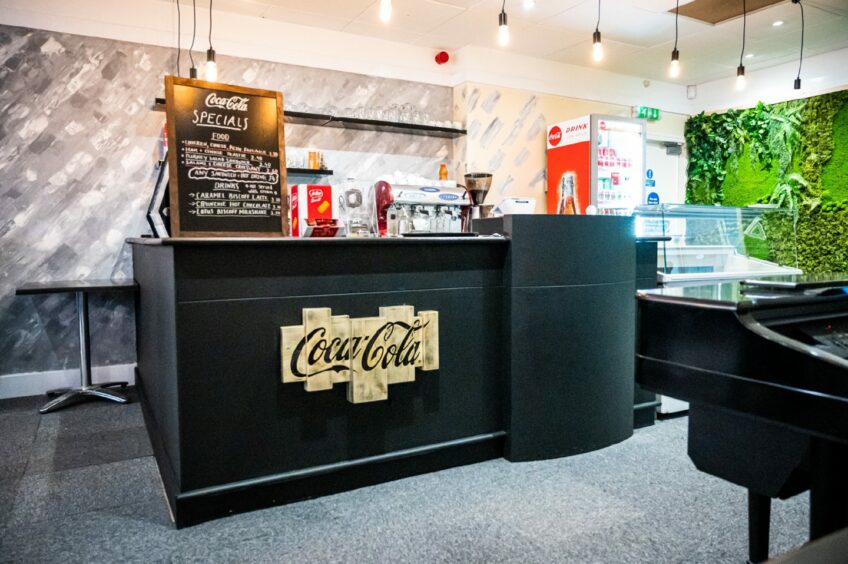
(717, 11)
(403, 314)
(418, 341)
(341, 331)
(317, 376)
(372, 385)
(290, 337)
(431, 339)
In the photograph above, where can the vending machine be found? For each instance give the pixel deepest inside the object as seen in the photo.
(596, 165)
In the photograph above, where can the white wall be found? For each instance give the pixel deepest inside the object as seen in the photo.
(819, 75)
(154, 22)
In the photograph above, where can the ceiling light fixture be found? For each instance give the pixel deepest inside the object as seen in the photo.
(192, 72)
(385, 10)
(529, 4)
(597, 48)
(211, 65)
(674, 69)
(778, 23)
(801, 57)
(740, 70)
(503, 27)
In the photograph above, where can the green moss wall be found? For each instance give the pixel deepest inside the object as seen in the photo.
(794, 154)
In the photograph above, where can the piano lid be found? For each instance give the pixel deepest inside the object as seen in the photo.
(754, 294)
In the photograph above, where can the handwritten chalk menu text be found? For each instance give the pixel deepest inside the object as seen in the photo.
(226, 149)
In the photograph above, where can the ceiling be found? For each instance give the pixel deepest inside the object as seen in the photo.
(638, 35)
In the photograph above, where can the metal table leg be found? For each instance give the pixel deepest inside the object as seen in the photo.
(87, 389)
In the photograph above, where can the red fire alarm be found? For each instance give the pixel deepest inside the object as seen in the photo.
(442, 57)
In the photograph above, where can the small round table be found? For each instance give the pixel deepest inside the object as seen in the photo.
(81, 288)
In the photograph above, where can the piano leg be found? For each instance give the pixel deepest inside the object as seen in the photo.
(828, 487)
(759, 522)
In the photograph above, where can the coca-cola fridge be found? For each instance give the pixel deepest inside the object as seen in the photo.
(596, 165)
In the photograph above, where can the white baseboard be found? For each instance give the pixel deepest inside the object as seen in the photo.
(37, 383)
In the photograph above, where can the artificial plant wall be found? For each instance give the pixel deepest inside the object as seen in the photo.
(793, 154)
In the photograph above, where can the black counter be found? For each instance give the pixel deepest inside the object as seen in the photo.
(535, 361)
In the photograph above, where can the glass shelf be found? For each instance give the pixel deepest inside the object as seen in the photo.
(326, 120)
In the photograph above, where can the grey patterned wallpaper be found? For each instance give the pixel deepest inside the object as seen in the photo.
(78, 153)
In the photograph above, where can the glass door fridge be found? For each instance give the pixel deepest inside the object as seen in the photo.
(596, 165)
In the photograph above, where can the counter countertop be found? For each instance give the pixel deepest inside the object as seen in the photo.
(271, 241)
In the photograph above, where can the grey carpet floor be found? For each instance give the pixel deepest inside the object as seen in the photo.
(80, 485)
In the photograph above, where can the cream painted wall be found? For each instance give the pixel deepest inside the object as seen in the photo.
(506, 135)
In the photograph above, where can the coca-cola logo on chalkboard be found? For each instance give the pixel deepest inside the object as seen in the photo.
(238, 103)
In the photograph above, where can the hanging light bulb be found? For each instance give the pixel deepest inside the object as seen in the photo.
(503, 28)
(740, 78)
(674, 69)
(211, 65)
(385, 10)
(597, 47)
(740, 70)
(529, 4)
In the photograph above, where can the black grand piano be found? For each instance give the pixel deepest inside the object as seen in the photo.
(764, 365)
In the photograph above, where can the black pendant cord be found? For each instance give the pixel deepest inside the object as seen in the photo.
(179, 27)
(598, 24)
(676, 15)
(744, 26)
(210, 24)
(801, 57)
(193, 34)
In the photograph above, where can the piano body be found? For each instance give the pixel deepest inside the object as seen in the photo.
(764, 365)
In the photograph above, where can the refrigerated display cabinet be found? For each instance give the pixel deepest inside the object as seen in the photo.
(713, 243)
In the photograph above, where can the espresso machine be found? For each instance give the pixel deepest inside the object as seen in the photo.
(404, 209)
(477, 184)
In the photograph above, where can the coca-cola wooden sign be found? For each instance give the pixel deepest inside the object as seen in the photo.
(226, 159)
(369, 353)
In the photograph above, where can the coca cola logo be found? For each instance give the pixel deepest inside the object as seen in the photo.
(294, 200)
(315, 195)
(369, 353)
(555, 136)
(238, 103)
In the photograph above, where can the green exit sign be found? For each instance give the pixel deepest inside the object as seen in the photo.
(648, 113)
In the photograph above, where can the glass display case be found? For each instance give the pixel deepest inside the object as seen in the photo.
(711, 243)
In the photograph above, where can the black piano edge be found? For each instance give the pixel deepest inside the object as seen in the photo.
(775, 402)
(204, 504)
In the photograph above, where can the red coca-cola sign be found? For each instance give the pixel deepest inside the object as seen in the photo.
(555, 135)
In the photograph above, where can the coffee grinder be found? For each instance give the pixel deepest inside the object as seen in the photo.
(477, 184)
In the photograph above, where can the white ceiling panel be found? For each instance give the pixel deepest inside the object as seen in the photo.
(638, 34)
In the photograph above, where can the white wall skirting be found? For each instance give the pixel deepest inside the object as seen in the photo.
(37, 383)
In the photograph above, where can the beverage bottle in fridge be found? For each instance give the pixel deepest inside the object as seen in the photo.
(567, 195)
(443, 172)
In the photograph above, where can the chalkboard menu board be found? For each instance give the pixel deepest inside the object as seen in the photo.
(226, 155)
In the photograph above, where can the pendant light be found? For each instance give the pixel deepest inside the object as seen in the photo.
(597, 48)
(385, 10)
(674, 68)
(740, 70)
(503, 27)
(211, 65)
(192, 72)
(801, 57)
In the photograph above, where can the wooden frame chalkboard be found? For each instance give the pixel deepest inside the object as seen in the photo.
(226, 160)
